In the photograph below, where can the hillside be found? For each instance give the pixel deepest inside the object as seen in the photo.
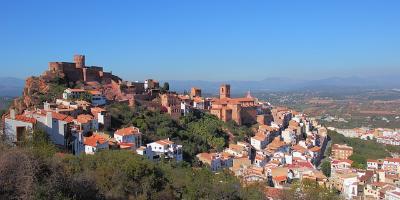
(363, 149)
(48, 172)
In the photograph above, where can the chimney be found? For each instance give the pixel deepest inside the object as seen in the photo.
(49, 119)
(46, 106)
(12, 113)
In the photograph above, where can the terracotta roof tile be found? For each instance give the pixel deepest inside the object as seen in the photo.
(23, 118)
(127, 131)
(164, 142)
(83, 119)
(94, 140)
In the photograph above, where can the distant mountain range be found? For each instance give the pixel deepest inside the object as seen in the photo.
(10, 86)
(288, 84)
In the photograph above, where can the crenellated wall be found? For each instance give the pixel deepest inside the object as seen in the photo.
(77, 71)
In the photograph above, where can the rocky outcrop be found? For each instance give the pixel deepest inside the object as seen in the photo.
(62, 75)
(35, 88)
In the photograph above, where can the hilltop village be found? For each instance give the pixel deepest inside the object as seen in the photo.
(285, 146)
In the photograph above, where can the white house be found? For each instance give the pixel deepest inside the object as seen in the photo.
(212, 159)
(102, 116)
(289, 136)
(16, 126)
(259, 141)
(97, 98)
(166, 148)
(350, 187)
(95, 143)
(56, 125)
(260, 160)
(340, 165)
(146, 152)
(130, 135)
(241, 149)
(185, 108)
(374, 164)
(216, 161)
(391, 165)
(86, 123)
(73, 93)
(199, 103)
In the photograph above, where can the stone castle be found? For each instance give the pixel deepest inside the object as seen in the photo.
(77, 71)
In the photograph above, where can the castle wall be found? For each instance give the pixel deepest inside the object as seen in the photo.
(248, 115)
(68, 69)
(76, 71)
(236, 113)
(92, 74)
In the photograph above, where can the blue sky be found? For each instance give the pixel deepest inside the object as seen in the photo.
(204, 40)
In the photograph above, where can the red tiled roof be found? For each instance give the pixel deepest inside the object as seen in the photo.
(206, 157)
(164, 142)
(83, 119)
(23, 118)
(62, 117)
(392, 159)
(76, 90)
(98, 109)
(198, 99)
(315, 149)
(341, 147)
(127, 131)
(280, 178)
(301, 164)
(299, 148)
(268, 128)
(259, 137)
(92, 83)
(94, 139)
(57, 116)
(378, 184)
(94, 92)
(259, 157)
(344, 160)
(124, 145)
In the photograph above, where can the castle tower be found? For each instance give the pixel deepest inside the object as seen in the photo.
(225, 91)
(79, 60)
(195, 92)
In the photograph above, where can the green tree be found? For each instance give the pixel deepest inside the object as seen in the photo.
(326, 168)
(85, 97)
(362, 149)
(38, 142)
